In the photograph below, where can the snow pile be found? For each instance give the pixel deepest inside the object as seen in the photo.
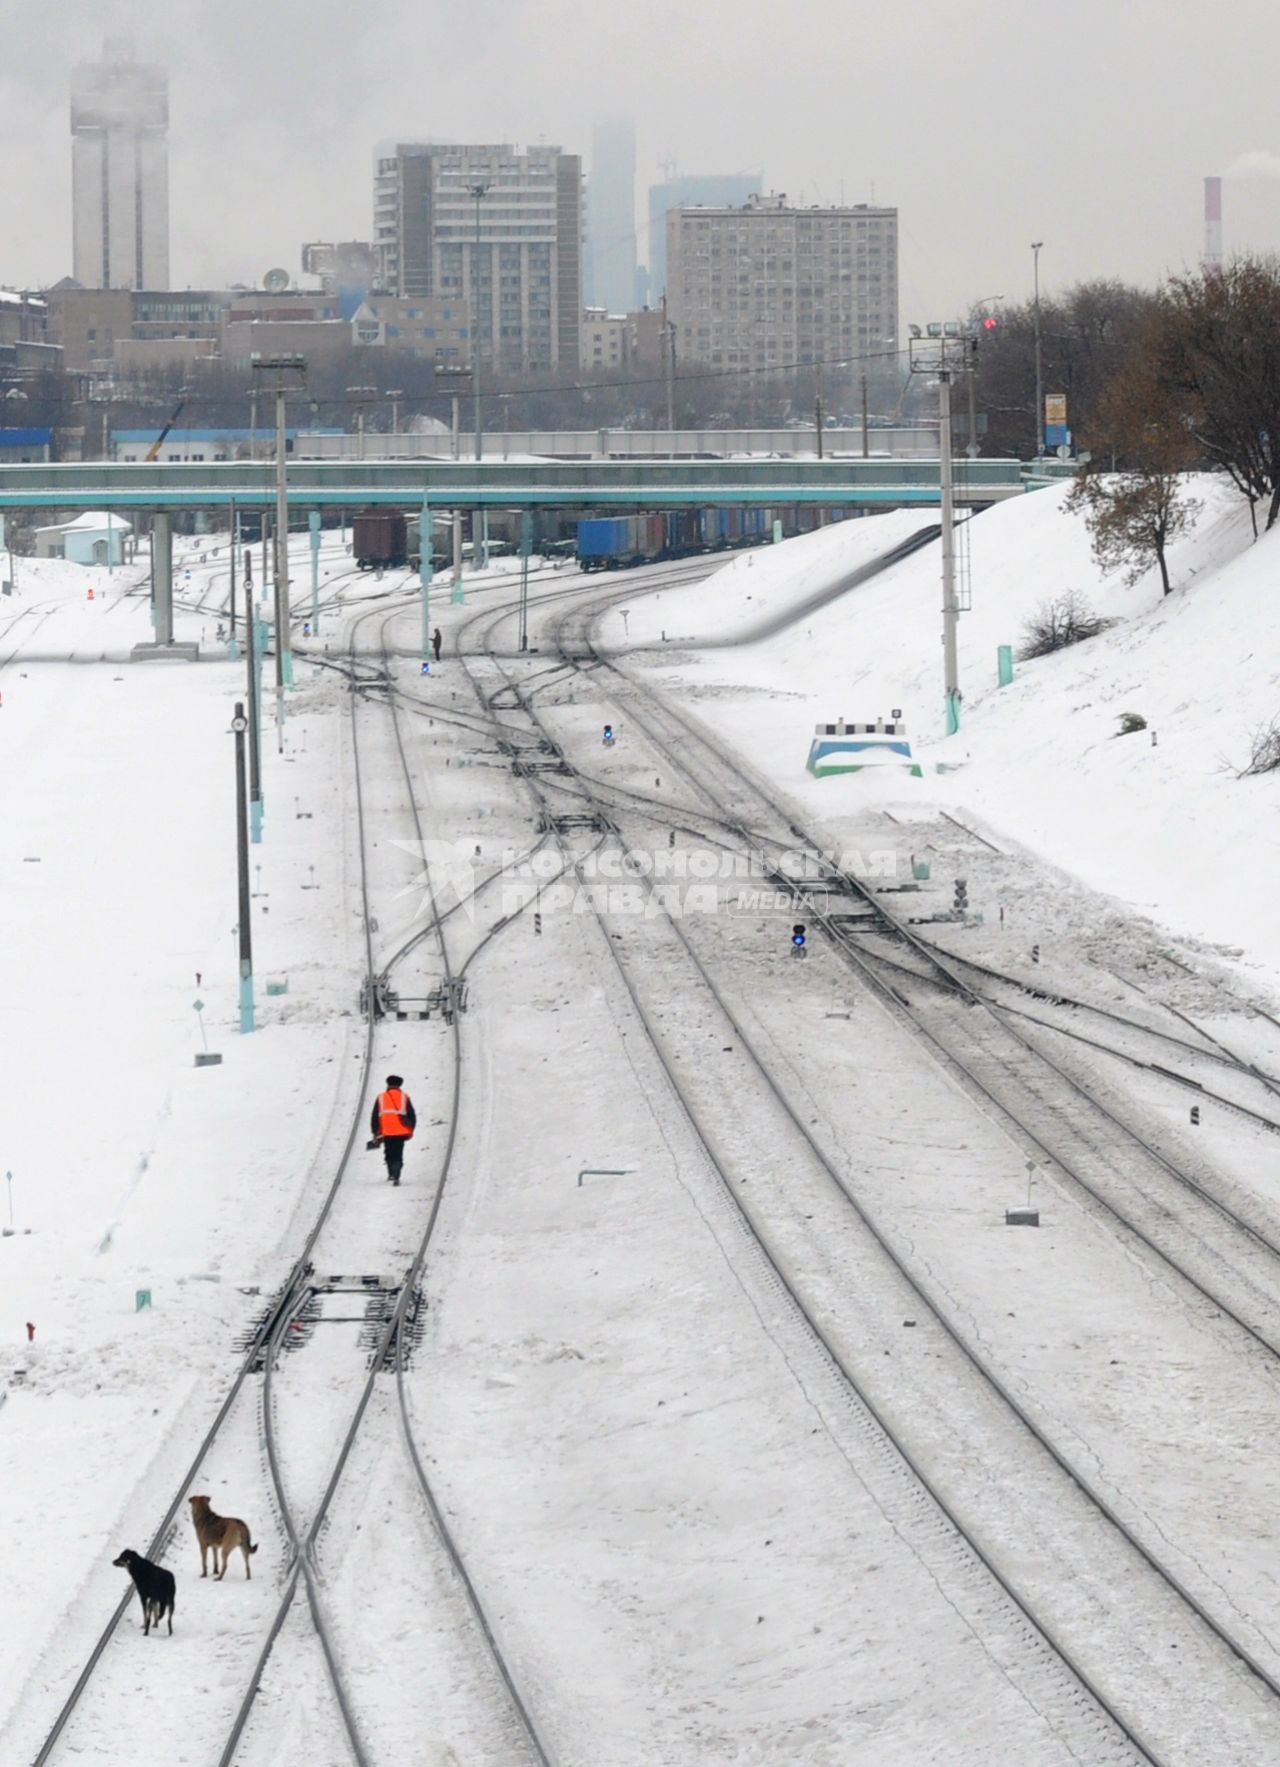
(1157, 817)
(769, 579)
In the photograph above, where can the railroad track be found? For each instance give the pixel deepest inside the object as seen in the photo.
(1160, 1578)
(303, 1516)
(1055, 1691)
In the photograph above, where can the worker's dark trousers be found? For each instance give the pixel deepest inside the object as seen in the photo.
(393, 1149)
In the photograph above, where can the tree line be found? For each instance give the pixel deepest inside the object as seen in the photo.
(1159, 384)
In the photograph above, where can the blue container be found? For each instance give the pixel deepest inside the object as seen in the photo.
(604, 537)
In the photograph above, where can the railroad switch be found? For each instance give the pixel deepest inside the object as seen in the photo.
(571, 823)
(527, 769)
(449, 999)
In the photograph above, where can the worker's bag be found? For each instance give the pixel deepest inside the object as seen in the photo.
(370, 1145)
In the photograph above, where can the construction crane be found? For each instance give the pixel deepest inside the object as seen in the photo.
(174, 415)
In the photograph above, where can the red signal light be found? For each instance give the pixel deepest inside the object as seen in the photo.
(989, 323)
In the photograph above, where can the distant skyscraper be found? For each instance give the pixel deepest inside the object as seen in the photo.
(512, 254)
(120, 172)
(611, 218)
(729, 191)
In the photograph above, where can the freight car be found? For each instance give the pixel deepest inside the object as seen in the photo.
(380, 539)
(610, 543)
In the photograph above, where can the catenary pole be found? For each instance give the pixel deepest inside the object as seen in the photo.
(253, 665)
(478, 191)
(239, 724)
(1035, 260)
(426, 570)
(949, 609)
(232, 600)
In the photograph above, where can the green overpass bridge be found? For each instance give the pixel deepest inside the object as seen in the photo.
(507, 484)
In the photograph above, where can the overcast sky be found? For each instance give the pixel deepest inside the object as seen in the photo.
(988, 123)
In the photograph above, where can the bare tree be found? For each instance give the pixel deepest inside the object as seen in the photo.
(1216, 347)
(1085, 335)
(1140, 430)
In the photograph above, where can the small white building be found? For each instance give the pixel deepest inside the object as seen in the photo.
(96, 538)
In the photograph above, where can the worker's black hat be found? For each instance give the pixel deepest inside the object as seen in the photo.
(395, 1079)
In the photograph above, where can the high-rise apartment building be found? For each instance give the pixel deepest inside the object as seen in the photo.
(728, 191)
(611, 218)
(766, 286)
(120, 172)
(499, 228)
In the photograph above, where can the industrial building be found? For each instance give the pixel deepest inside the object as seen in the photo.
(498, 228)
(768, 286)
(109, 331)
(120, 172)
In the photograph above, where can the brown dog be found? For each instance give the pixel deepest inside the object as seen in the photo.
(221, 1532)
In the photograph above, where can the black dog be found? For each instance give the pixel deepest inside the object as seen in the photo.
(155, 1588)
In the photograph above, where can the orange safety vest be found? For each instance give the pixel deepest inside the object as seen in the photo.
(391, 1113)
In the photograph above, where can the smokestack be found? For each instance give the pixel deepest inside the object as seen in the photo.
(1212, 224)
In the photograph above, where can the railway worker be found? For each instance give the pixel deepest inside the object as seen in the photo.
(436, 642)
(393, 1123)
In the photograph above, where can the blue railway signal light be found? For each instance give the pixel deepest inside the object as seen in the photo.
(797, 939)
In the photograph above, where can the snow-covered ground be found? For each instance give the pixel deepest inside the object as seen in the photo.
(693, 1546)
(1157, 818)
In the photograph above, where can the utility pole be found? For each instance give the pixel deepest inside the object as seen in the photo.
(669, 371)
(231, 605)
(456, 378)
(817, 421)
(480, 541)
(866, 438)
(478, 192)
(313, 524)
(253, 663)
(239, 724)
(395, 394)
(526, 541)
(284, 372)
(941, 357)
(950, 660)
(457, 513)
(1035, 259)
(426, 570)
(970, 378)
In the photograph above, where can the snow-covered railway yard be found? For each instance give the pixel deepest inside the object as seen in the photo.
(735, 1422)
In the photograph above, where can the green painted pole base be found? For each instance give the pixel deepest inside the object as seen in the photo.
(286, 668)
(246, 1004)
(457, 597)
(255, 820)
(953, 713)
(1004, 664)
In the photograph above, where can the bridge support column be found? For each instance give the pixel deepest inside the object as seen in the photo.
(162, 645)
(162, 572)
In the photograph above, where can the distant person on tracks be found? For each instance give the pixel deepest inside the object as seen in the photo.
(393, 1123)
(436, 642)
